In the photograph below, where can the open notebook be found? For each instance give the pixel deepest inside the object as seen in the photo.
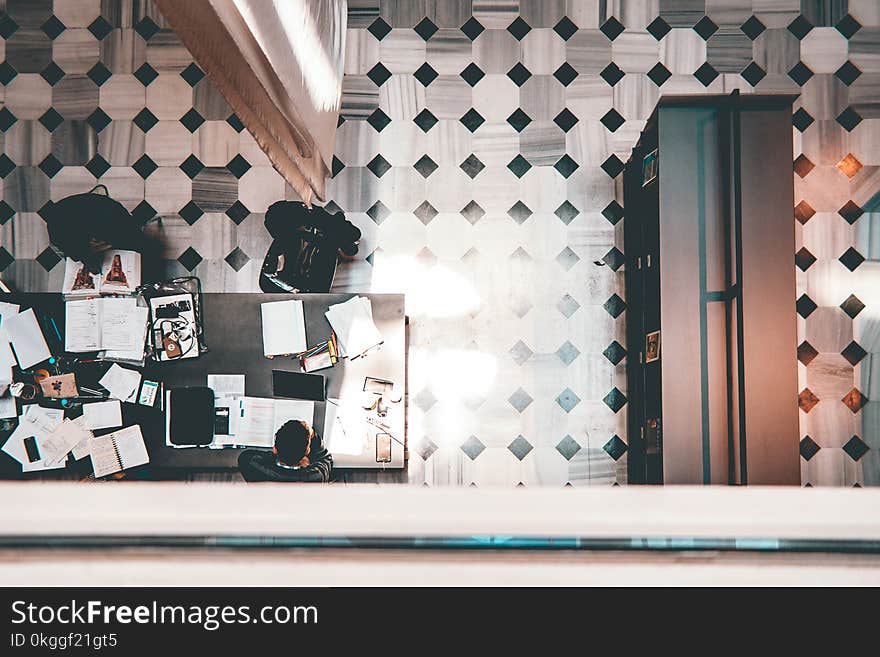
(118, 451)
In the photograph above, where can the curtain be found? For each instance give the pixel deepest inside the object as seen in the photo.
(279, 64)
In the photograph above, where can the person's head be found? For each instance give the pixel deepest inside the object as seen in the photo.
(293, 441)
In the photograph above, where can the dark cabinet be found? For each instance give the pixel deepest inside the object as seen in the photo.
(710, 285)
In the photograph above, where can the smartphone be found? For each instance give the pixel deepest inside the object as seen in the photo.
(383, 448)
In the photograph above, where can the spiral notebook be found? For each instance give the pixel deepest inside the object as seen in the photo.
(118, 451)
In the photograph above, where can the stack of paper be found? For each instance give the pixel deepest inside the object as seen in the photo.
(34, 427)
(284, 328)
(353, 323)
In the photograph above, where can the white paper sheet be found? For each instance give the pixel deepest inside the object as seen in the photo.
(345, 430)
(118, 329)
(55, 447)
(82, 325)
(136, 326)
(122, 383)
(27, 339)
(284, 329)
(226, 385)
(353, 323)
(38, 422)
(7, 310)
(103, 415)
(7, 406)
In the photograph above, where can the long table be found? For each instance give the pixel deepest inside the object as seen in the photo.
(233, 333)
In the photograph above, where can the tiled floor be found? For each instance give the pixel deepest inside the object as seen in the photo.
(479, 153)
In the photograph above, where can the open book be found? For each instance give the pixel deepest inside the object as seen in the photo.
(120, 274)
(118, 451)
(115, 324)
(253, 421)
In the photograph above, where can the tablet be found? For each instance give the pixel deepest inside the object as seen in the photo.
(297, 385)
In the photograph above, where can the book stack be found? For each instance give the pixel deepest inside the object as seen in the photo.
(321, 356)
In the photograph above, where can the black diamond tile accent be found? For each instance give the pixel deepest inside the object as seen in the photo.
(379, 74)
(802, 165)
(472, 166)
(192, 120)
(612, 120)
(99, 74)
(98, 120)
(848, 26)
(238, 212)
(190, 259)
(614, 258)
(801, 119)
(7, 165)
(615, 400)
(236, 123)
(565, 74)
(147, 28)
(613, 212)
(425, 120)
(848, 73)
(658, 28)
(192, 166)
(849, 119)
(613, 166)
(808, 448)
(753, 27)
(614, 305)
(192, 74)
(852, 306)
(803, 212)
(45, 209)
(7, 73)
(98, 166)
(519, 74)
(146, 74)
(144, 166)
(854, 353)
(425, 166)
(800, 27)
(425, 74)
(800, 73)
(472, 28)
(191, 213)
(566, 212)
(804, 259)
(100, 28)
(237, 259)
(614, 352)
(378, 166)
(565, 28)
(425, 212)
(753, 74)
(6, 212)
(855, 448)
(519, 120)
(850, 212)
(143, 212)
(805, 306)
(238, 166)
(706, 74)
(52, 73)
(615, 448)
(378, 212)
(519, 212)
(565, 120)
(612, 74)
(379, 29)
(53, 27)
(519, 166)
(566, 166)
(5, 259)
(7, 119)
(472, 119)
(659, 74)
(568, 447)
(425, 29)
(379, 120)
(48, 259)
(851, 259)
(8, 27)
(473, 447)
(50, 166)
(806, 352)
(519, 28)
(472, 74)
(145, 120)
(612, 28)
(520, 447)
(472, 212)
(705, 28)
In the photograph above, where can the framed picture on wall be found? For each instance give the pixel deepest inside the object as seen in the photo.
(652, 347)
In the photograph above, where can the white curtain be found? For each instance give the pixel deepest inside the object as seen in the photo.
(279, 63)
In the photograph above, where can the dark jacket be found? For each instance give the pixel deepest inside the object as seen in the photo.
(260, 465)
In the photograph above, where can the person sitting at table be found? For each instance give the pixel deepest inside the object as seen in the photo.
(298, 455)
